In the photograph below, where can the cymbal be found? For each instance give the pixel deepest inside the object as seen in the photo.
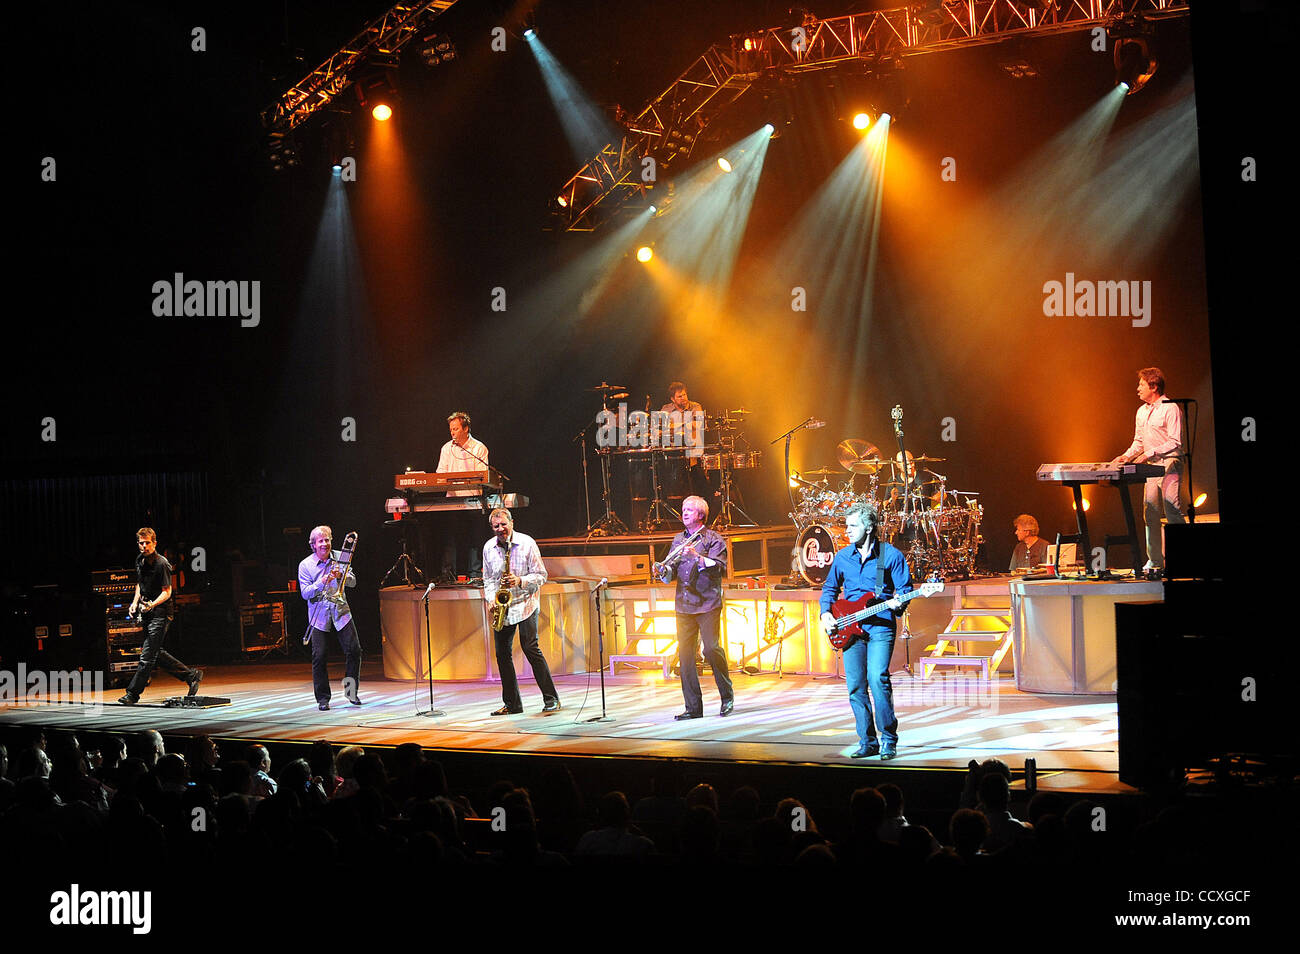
(926, 457)
(737, 412)
(803, 483)
(823, 472)
(606, 387)
(858, 456)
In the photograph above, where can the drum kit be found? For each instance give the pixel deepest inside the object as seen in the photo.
(666, 443)
(936, 528)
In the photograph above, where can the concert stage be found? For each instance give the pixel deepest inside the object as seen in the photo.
(944, 722)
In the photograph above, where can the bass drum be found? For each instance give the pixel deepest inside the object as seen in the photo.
(815, 549)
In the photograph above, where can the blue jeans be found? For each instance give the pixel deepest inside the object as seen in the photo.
(866, 667)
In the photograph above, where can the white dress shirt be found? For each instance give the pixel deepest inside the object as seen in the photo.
(525, 563)
(457, 460)
(1158, 433)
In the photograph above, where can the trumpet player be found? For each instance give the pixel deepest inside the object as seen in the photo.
(319, 578)
(698, 559)
(513, 564)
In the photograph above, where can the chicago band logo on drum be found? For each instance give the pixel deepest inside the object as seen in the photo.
(814, 555)
(650, 429)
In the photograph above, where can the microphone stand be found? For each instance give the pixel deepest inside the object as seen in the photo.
(788, 436)
(600, 642)
(428, 647)
(586, 488)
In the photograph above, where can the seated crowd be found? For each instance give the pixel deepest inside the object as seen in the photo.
(139, 800)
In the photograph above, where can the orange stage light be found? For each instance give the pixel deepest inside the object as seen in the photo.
(382, 112)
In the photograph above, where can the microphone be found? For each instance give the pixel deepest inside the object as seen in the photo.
(813, 424)
(428, 591)
(604, 581)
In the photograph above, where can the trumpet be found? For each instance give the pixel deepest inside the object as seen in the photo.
(664, 570)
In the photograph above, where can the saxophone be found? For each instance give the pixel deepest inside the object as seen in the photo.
(502, 605)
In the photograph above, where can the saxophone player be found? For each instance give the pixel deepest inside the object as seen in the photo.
(318, 577)
(512, 563)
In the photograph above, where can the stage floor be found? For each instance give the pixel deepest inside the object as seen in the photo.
(943, 722)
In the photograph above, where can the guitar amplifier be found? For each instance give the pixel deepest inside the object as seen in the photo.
(262, 628)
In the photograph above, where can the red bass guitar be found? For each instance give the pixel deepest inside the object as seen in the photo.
(850, 614)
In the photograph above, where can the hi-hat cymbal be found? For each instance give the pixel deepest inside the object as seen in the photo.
(858, 456)
(607, 388)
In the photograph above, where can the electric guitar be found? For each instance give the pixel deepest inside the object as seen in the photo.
(850, 614)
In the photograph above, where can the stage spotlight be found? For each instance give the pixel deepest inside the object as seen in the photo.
(336, 169)
(435, 49)
(861, 121)
(644, 253)
(1134, 64)
(1200, 499)
(1087, 505)
(529, 34)
(794, 479)
(382, 112)
(563, 202)
(723, 164)
(653, 210)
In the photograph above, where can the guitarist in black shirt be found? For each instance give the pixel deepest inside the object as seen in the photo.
(152, 600)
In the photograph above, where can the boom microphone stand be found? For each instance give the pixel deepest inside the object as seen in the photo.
(600, 637)
(428, 646)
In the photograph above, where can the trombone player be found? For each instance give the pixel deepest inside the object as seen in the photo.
(512, 565)
(320, 581)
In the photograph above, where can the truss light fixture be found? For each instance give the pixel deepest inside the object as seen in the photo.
(644, 254)
(437, 48)
(723, 164)
(861, 121)
(1134, 64)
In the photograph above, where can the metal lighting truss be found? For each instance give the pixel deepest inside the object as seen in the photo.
(670, 125)
(381, 38)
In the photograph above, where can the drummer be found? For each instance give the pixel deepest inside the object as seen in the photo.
(685, 420)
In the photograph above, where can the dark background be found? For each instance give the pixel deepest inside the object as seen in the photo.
(221, 436)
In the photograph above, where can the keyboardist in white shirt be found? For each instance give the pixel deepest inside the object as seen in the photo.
(462, 453)
(1157, 439)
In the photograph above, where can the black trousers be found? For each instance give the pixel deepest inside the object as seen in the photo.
(152, 654)
(691, 627)
(320, 674)
(505, 641)
(460, 544)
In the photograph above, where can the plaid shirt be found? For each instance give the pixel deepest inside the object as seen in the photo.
(525, 563)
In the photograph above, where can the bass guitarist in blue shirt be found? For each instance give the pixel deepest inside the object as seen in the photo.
(869, 566)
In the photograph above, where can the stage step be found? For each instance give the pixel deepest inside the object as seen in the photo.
(974, 635)
(660, 659)
(929, 662)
